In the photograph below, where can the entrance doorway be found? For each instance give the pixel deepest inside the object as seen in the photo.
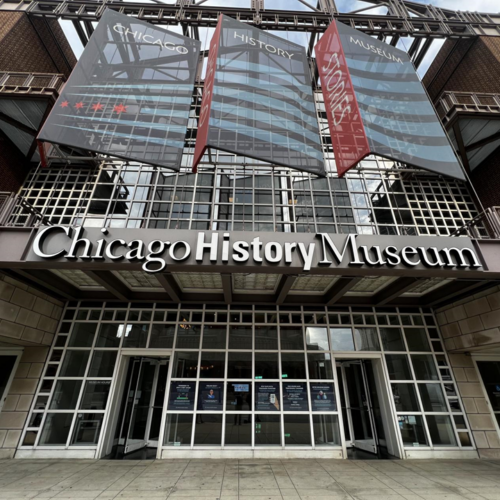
(489, 370)
(369, 427)
(138, 427)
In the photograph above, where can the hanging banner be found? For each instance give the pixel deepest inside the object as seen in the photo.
(258, 100)
(130, 94)
(375, 103)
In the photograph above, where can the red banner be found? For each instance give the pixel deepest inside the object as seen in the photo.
(349, 140)
(206, 102)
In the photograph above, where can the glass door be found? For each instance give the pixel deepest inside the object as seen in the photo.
(358, 406)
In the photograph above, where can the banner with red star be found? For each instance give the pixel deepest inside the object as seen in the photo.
(130, 94)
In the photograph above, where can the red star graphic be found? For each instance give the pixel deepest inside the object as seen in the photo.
(79, 105)
(120, 109)
(97, 107)
(64, 104)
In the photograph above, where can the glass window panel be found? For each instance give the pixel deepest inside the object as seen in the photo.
(103, 364)
(188, 336)
(74, 364)
(317, 339)
(162, 336)
(56, 429)
(392, 339)
(424, 367)
(30, 438)
(441, 430)
(87, 429)
(66, 395)
(178, 429)
(136, 335)
(342, 339)
(110, 335)
(267, 430)
(405, 397)
(238, 431)
(185, 365)
(366, 339)
(398, 367)
(95, 395)
(412, 430)
(326, 430)
(465, 439)
(292, 338)
(212, 364)
(416, 338)
(266, 337)
(432, 397)
(240, 337)
(490, 375)
(239, 365)
(83, 335)
(238, 396)
(266, 365)
(208, 430)
(297, 430)
(214, 336)
(293, 365)
(320, 366)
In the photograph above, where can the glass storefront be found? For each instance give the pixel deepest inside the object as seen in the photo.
(245, 376)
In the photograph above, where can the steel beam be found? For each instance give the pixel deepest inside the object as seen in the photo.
(395, 289)
(284, 286)
(227, 287)
(170, 285)
(50, 281)
(452, 291)
(111, 283)
(339, 289)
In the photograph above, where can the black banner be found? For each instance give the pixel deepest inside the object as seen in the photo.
(211, 396)
(181, 396)
(295, 396)
(323, 397)
(130, 94)
(267, 396)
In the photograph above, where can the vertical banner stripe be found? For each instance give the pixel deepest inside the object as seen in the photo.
(349, 140)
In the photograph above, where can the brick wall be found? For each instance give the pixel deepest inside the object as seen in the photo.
(466, 326)
(28, 318)
(24, 48)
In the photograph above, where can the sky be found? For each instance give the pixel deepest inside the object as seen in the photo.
(492, 6)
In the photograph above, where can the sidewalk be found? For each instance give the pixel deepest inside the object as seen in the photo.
(251, 479)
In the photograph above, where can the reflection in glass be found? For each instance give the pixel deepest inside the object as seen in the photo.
(162, 336)
(212, 364)
(267, 430)
(238, 430)
(239, 365)
(65, 395)
(178, 429)
(432, 397)
(292, 338)
(103, 364)
(266, 365)
(110, 335)
(342, 339)
(317, 338)
(392, 339)
(214, 336)
(366, 339)
(87, 429)
(326, 430)
(398, 367)
(185, 365)
(83, 335)
(297, 430)
(188, 336)
(238, 396)
(424, 367)
(208, 430)
(56, 429)
(240, 337)
(95, 395)
(266, 337)
(441, 430)
(416, 338)
(293, 365)
(405, 397)
(320, 366)
(74, 364)
(412, 430)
